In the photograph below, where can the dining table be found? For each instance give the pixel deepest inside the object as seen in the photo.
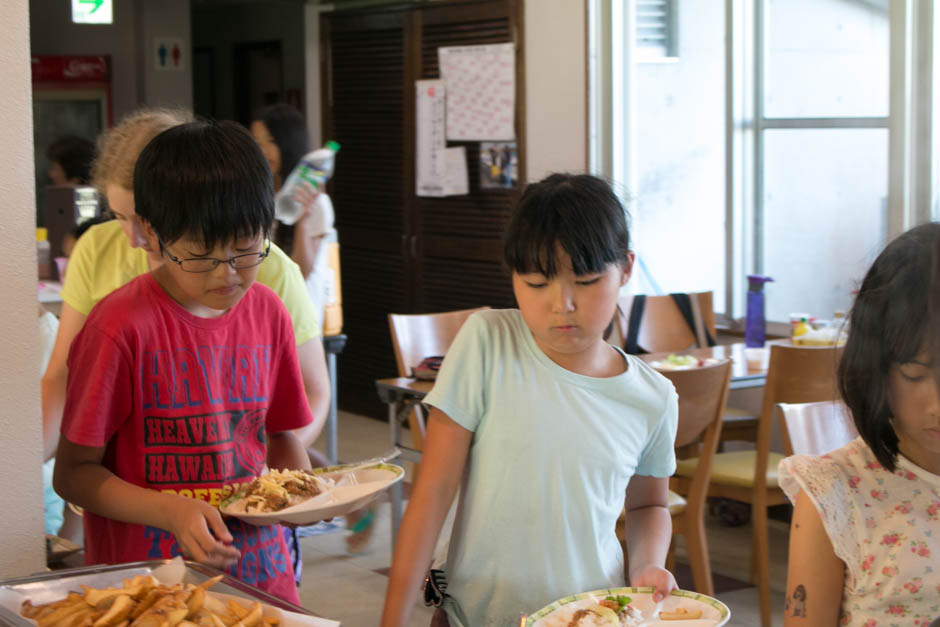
(748, 364)
(401, 394)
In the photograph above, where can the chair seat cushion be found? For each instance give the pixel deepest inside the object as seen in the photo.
(734, 468)
(676, 503)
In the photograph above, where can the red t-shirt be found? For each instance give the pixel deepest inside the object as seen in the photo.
(182, 405)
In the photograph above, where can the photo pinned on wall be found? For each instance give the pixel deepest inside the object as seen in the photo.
(499, 165)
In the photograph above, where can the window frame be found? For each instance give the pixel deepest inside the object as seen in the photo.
(912, 163)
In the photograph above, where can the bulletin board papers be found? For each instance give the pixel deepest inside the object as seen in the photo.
(481, 91)
(429, 137)
(456, 181)
(439, 171)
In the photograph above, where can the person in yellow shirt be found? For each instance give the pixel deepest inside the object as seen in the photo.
(111, 254)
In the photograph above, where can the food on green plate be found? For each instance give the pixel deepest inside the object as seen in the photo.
(682, 360)
(680, 613)
(276, 490)
(609, 612)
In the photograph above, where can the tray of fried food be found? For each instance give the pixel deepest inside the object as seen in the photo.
(144, 602)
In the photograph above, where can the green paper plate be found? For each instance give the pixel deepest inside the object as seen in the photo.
(714, 612)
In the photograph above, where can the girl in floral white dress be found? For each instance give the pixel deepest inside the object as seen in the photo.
(865, 536)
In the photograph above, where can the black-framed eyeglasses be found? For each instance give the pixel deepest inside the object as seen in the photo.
(208, 264)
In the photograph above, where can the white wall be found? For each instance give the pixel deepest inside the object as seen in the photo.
(555, 86)
(166, 18)
(22, 548)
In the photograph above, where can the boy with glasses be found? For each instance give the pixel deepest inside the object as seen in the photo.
(186, 379)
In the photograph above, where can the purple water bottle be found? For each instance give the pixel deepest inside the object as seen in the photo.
(755, 324)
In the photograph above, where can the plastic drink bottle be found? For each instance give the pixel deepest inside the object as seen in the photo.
(315, 169)
(755, 323)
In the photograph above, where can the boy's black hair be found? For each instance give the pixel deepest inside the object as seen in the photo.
(888, 325)
(207, 181)
(289, 132)
(578, 212)
(75, 155)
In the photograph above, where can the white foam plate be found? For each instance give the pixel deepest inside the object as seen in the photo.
(353, 490)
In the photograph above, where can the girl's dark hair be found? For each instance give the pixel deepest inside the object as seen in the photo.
(578, 212)
(207, 181)
(75, 155)
(889, 325)
(289, 132)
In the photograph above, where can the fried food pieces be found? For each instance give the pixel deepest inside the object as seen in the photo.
(680, 613)
(144, 602)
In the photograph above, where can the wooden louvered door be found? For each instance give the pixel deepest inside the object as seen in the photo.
(402, 253)
(364, 66)
(458, 252)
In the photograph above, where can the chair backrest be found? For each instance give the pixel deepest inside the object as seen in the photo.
(817, 428)
(416, 336)
(663, 328)
(703, 395)
(795, 374)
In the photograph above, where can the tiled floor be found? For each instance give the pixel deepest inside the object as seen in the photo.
(351, 588)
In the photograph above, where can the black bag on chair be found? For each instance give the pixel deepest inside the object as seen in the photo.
(683, 302)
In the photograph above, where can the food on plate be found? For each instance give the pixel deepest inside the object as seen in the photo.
(611, 611)
(682, 362)
(680, 613)
(144, 602)
(276, 490)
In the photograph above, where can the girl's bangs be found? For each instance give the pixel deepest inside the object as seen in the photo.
(536, 249)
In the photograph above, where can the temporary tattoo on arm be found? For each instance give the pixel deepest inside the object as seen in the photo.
(796, 602)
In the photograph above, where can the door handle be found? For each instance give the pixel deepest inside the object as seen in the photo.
(414, 246)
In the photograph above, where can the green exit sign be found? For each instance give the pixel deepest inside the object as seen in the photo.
(92, 11)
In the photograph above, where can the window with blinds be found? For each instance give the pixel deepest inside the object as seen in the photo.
(656, 29)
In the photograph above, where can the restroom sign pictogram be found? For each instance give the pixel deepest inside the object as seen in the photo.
(169, 54)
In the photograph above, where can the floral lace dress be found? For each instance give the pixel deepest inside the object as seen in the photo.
(885, 526)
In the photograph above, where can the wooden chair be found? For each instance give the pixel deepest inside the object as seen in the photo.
(416, 336)
(703, 393)
(795, 375)
(816, 428)
(663, 328)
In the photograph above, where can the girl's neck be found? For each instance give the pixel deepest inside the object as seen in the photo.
(601, 361)
(920, 455)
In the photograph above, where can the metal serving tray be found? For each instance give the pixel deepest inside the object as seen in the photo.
(54, 585)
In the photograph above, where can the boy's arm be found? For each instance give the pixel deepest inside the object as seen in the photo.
(815, 575)
(80, 478)
(55, 378)
(445, 454)
(648, 527)
(286, 452)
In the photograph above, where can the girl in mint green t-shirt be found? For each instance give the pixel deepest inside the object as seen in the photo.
(548, 430)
